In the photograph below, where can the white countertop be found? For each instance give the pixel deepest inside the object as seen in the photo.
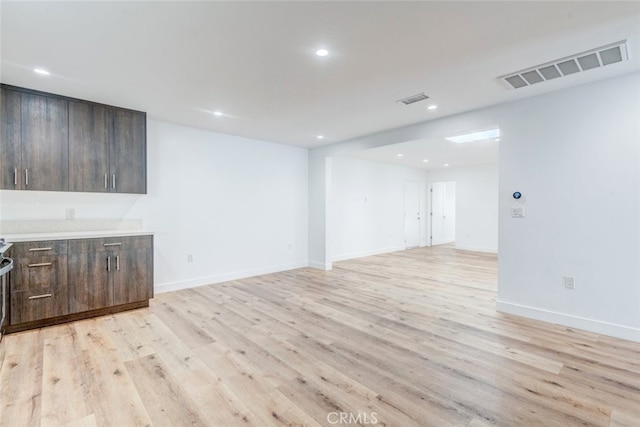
(67, 235)
(4, 248)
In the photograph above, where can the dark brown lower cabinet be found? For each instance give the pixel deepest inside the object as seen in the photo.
(132, 279)
(38, 288)
(89, 286)
(58, 281)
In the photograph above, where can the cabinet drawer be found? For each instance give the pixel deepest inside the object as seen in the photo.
(82, 246)
(38, 249)
(36, 273)
(28, 306)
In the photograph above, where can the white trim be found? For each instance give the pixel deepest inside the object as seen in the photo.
(326, 266)
(591, 325)
(209, 280)
(353, 255)
(476, 249)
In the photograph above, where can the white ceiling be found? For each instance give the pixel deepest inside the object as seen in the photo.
(437, 151)
(255, 61)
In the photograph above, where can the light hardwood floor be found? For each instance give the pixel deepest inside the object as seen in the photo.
(404, 339)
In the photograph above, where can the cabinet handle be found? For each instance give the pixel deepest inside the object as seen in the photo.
(106, 185)
(39, 249)
(26, 177)
(108, 263)
(15, 176)
(42, 264)
(113, 181)
(41, 296)
(118, 262)
(112, 244)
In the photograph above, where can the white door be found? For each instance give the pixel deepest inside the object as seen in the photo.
(443, 212)
(411, 214)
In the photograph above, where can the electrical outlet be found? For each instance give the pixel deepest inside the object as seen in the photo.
(569, 282)
(189, 258)
(70, 213)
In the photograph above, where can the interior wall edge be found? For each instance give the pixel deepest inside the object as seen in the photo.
(589, 325)
(220, 278)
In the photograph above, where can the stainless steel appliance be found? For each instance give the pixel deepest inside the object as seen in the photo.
(6, 265)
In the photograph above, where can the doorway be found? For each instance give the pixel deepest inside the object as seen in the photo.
(411, 214)
(443, 212)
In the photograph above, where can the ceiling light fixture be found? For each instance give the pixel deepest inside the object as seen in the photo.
(432, 107)
(425, 160)
(320, 136)
(481, 135)
(218, 113)
(446, 165)
(400, 155)
(322, 52)
(41, 71)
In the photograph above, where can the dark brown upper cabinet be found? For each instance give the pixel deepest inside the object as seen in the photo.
(107, 149)
(34, 142)
(128, 154)
(88, 147)
(51, 142)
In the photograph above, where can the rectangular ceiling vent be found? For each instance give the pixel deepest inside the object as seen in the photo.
(413, 99)
(594, 58)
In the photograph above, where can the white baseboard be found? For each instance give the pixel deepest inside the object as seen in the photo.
(354, 255)
(435, 242)
(202, 281)
(326, 266)
(591, 325)
(476, 249)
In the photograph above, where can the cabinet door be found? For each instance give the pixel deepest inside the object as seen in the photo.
(45, 143)
(133, 278)
(90, 286)
(10, 141)
(128, 152)
(88, 147)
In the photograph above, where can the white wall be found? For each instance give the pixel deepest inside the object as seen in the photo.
(238, 205)
(367, 207)
(575, 155)
(476, 205)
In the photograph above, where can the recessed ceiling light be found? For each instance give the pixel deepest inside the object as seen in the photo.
(218, 113)
(41, 71)
(446, 165)
(320, 136)
(497, 140)
(322, 52)
(482, 135)
(400, 155)
(425, 160)
(432, 107)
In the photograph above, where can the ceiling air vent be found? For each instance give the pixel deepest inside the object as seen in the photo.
(594, 58)
(413, 99)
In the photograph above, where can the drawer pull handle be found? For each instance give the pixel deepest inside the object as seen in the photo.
(112, 244)
(39, 249)
(42, 264)
(41, 296)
